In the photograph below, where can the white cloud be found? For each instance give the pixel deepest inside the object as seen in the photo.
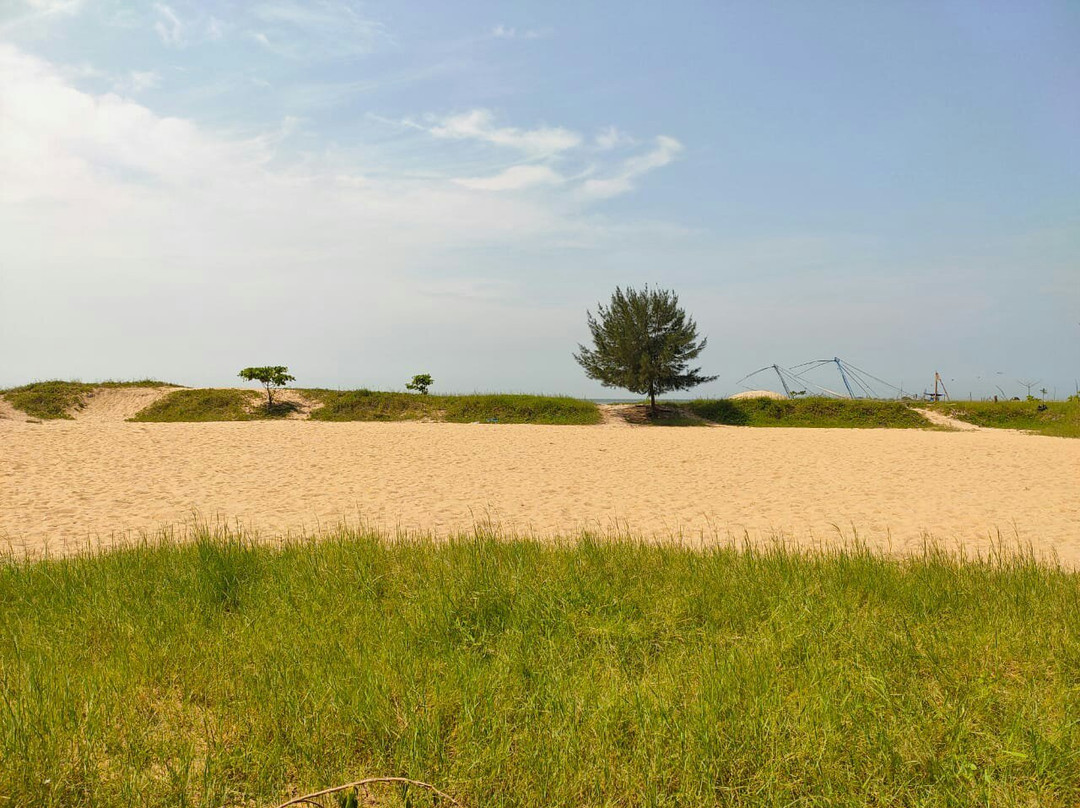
(611, 138)
(31, 14)
(667, 148)
(138, 80)
(515, 178)
(215, 28)
(56, 6)
(316, 29)
(168, 26)
(111, 213)
(501, 31)
(478, 124)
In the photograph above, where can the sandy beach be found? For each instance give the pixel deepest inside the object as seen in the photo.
(70, 485)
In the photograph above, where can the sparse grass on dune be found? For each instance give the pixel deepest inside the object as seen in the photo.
(519, 409)
(209, 405)
(520, 673)
(1058, 418)
(57, 399)
(368, 405)
(809, 412)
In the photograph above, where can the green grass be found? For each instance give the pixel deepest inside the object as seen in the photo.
(1059, 418)
(57, 399)
(367, 405)
(527, 674)
(808, 412)
(208, 405)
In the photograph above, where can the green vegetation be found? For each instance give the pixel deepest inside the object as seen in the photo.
(521, 673)
(204, 405)
(1056, 418)
(57, 399)
(643, 342)
(808, 412)
(420, 383)
(271, 378)
(368, 405)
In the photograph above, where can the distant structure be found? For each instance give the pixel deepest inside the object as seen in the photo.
(857, 382)
(937, 395)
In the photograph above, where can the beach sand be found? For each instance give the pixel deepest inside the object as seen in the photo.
(70, 485)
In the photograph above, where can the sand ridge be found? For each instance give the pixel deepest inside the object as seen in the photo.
(65, 483)
(118, 403)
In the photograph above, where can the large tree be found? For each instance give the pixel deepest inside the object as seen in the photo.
(643, 342)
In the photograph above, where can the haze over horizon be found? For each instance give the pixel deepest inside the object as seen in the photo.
(364, 191)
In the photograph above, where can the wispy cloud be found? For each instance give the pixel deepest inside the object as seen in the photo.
(136, 81)
(501, 31)
(666, 149)
(515, 178)
(479, 124)
(107, 199)
(30, 13)
(215, 28)
(316, 30)
(168, 25)
(612, 138)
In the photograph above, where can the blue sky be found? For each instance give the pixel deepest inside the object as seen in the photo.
(364, 191)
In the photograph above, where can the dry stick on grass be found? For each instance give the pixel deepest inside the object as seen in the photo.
(310, 798)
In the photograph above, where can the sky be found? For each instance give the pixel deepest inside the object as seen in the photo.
(365, 191)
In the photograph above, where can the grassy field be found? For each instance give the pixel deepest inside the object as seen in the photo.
(808, 412)
(367, 405)
(526, 674)
(57, 399)
(210, 405)
(1057, 418)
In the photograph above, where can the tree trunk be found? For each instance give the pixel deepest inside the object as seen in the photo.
(269, 399)
(652, 402)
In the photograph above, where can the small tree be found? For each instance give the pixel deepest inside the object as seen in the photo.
(420, 383)
(271, 377)
(643, 342)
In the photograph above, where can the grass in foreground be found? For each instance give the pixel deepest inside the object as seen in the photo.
(367, 405)
(1057, 418)
(525, 674)
(808, 412)
(57, 399)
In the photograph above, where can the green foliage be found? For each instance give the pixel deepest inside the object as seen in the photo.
(366, 405)
(519, 409)
(812, 411)
(518, 673)
(58, 399)
(420, 383)
(1054, 418)
(202, 405)
(271, 377)
(643, 342)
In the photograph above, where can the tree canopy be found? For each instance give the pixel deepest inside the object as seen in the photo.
(420, 383)
(270, 376)
(643, 341)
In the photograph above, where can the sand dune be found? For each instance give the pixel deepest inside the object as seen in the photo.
(64, 484)
(118, 403)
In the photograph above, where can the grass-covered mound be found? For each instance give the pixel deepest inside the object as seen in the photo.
(368, 405)
(1057, 418)
(207, 405)
(58, 399)
(808, 412)
(527, 674)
